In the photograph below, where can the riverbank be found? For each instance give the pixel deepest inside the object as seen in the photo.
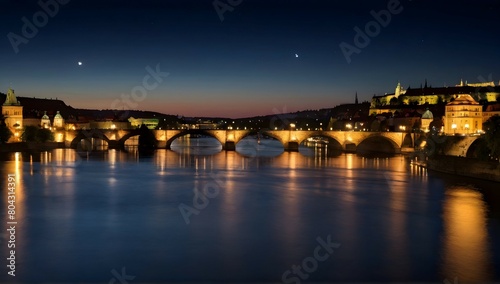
(468, 167)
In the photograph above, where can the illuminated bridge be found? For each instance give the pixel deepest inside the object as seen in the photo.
(290, 139)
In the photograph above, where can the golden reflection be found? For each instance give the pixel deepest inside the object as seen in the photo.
(349, 158)
(465, 243)
(112, 158)
(14, 169)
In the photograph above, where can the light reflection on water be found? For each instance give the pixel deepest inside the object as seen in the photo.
(82, 216)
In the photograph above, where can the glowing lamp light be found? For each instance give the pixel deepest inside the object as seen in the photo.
(454, 127)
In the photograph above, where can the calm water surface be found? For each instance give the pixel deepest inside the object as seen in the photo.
(88, 219)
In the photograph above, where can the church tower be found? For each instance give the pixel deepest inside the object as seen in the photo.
(13, 113)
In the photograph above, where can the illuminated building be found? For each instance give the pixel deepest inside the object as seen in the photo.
(150, 123)
(463, 116)
(13, 113)
(58, 120)
(45, 122)
(426, 120)
(401, 98)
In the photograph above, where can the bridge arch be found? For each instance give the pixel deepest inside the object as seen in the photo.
(135, 132)
(87, 135)
(275, 136)
(407, 140)
(378, 143)
(324, 134)
(196, 132)
(477, 148)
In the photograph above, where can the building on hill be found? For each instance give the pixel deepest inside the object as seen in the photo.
(463, 116)
(12, 110)
(483, 92)
(151, 123)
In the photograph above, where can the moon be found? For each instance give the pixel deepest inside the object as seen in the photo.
(296, 55)
(80, 63)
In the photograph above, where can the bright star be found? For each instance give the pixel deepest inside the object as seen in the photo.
(296, 55)
(80, 63)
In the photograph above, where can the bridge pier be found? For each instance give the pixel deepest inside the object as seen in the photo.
(291, 146)
(229, 146)
(162, 145)
(113, 144)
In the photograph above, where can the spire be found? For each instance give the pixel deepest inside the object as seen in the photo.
(397, 92)
(356, 99)
(425, 86)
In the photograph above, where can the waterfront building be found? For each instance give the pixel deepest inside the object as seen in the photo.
(12, 110)
(150, 123)
(463, 115)
(58, 120)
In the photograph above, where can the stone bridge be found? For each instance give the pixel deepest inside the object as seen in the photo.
(290, 139)
(349, 141)
(461, 146)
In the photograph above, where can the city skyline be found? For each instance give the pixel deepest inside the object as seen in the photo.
(246, 59)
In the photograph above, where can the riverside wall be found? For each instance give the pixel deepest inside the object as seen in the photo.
(469, 167)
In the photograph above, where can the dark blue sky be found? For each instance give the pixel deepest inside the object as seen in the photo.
(244, 65)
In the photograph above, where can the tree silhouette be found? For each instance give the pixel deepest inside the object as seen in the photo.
(492, 136)
(5, 132)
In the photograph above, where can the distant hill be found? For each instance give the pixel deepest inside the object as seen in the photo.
(36, 107)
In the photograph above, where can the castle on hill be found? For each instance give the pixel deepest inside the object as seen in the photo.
(484, 93)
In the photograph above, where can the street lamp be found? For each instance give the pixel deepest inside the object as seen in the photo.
(402, 128)
(292, 126)
(454, 127)
(467, 128)
(348, 126)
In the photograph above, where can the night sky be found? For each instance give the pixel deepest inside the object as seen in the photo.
(245, 65)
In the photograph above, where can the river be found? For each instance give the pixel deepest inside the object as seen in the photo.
(196, 214)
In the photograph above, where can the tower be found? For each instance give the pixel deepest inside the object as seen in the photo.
(397, 92)
(13, 113)
(356, 99)
(45, 122)
(58, 120)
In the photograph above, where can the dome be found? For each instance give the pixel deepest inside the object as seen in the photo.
(58, 116)
(427, 115)
(45, 116)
